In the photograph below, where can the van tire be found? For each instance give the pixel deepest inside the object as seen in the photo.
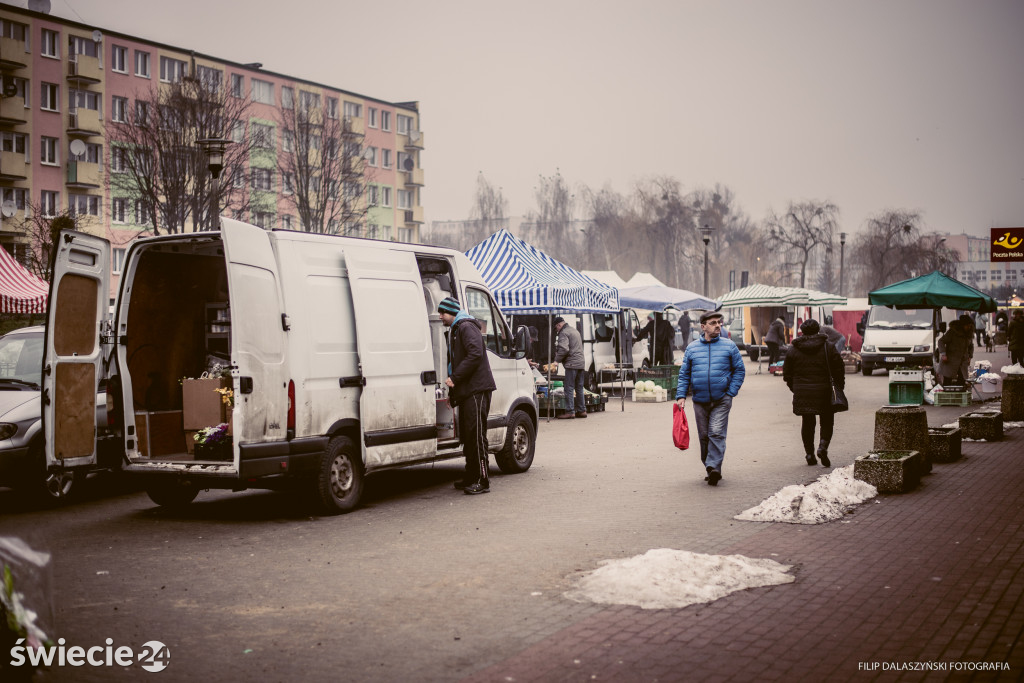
(866, 369)
(172, 494)
(591, 382)
(753, 353)
(339, 483)
(520, 442)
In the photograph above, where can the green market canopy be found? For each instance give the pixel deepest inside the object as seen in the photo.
(934, 290)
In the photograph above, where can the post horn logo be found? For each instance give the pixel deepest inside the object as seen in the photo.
(1007, 244)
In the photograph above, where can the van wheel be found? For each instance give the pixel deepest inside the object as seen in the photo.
(753, 352)
(591, 382)
(339, 484)
(49, 487)
(172, 494)
(866, 369)
(520, 440)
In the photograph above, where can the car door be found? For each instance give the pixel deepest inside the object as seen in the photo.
(73, 357)
(397, 409)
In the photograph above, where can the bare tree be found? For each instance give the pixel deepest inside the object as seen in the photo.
(804, 227)
(156, 162)
(552, 222)
(894, 249)
(323, 168)
(488, 212)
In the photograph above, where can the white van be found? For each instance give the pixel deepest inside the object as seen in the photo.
(335, 352)
(896, 338)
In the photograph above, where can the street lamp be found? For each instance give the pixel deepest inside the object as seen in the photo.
(214, 149)
(842, 250)
(706, 236)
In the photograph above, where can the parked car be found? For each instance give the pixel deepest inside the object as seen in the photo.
(22, 460)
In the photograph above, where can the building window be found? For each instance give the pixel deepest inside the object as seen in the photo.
(85, 99)
(92, 154)
(308, 101)
(210, 78)
(22, 88)
(116, 260)
(404, 199)
(238, 131)
(286, 222)
(288, 183)
(262, 136)
(371, 117)
(48, 151)
(287, 97)
(141, 113)
(141, 213)
(332, 107)
(119, 109)
(385, 158)
(84, 205)
(51, 44)
(118, 207)
(371, 156)
(13, 30)
(172, 70)
(385, 120)
(385, 196)
(49, 202)
(142, 64)
(118, 160)
(263, 220)
(15, 142)
(372, 195)
(353, 110)
(262, 179)
(262, 91)
(405, 162)
(237, 85)
(50, 97)
(82, 46)
(18, 195)
(403, 124)
(119, 59)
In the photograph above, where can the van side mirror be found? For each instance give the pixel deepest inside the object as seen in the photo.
(942, 326)
(522, 340)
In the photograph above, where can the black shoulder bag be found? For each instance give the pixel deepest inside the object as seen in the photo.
(839, 402)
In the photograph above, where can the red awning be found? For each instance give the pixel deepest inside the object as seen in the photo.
(20, 290)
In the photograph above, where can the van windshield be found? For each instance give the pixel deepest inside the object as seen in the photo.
(889, 318)
(21, 359)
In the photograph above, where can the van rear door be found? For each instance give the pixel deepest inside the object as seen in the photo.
(397, 407)
(72, 365)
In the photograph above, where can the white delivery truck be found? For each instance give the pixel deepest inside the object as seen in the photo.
(335, 359)
(896, 338)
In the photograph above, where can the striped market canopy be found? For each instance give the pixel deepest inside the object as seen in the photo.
(768, 295)
(524, 279)
(20, 290)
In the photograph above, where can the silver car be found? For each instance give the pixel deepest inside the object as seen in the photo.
(22, 461)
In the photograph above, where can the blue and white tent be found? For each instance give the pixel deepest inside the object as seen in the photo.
(524, 279)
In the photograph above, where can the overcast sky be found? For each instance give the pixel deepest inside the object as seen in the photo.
(871, 104)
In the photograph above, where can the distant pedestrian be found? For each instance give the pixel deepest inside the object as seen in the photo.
(470, 384)
(834, 337)
(979, 327)
(1015, 337)
(684, 328)
(569, 352)
(660, 335)
(712, 372)
(812, 365)
(956, 348)
(775, 338)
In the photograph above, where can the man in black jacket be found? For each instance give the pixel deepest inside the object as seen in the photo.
(470, 384)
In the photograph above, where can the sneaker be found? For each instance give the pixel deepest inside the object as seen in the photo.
(810, 459)
(565, 416)
(583, 414)
(474, 489)
(714, 476)
(825, 462)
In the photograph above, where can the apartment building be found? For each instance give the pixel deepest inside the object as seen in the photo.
(68, 86)
(975, 266)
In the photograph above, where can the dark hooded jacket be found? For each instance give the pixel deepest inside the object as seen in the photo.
(806, 372)
(471, 372)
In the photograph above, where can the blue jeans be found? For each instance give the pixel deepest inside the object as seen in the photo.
(712, 425)
(574, 388)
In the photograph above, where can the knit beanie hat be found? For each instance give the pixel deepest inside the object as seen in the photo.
(449, 305)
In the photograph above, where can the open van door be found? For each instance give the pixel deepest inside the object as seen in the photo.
(397, 408)
(73, 360)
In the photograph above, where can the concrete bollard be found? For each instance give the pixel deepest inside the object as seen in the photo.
(904, 428)
(1013, 397)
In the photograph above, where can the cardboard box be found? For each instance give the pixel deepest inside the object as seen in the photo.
(201, 404)
(159, 433)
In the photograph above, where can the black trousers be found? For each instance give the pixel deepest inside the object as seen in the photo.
(473, 411)
(773, 352)
(828, 423)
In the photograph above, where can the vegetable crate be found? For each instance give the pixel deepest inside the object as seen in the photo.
(665, 376)
(952, 398)
(906, 393)
(906, 376)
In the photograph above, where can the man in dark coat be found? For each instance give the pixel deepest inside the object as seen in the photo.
(774, 339)
(470, 384)
(811, 367)
(684, 328)
(661, 336)
(1015, 337)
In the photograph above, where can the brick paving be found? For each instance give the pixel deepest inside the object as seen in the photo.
(931, 576)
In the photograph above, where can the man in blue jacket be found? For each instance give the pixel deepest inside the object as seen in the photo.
(712, 372)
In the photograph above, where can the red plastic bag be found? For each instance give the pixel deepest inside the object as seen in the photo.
(680, 428)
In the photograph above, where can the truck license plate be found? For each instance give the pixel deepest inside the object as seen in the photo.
(895, 359)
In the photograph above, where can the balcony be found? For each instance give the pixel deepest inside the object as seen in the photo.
(13, 166)
(83, 175)
(84, 71)
(415, 140)
(84, 123)
(13, 55)
(352, 126)
(13, 112)
(414, 178)
(413, 216)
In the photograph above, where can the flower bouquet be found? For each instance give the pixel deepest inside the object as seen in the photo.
(213, 443)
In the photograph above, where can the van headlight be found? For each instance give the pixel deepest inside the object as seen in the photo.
(922, 348)
(7, 430)
(870, 348)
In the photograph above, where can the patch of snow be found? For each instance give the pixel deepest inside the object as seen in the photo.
(1012, 423)
(824, 500)
(668, 579)
(1015, 369)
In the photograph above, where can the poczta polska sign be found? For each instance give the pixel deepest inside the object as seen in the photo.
(1007, 245)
